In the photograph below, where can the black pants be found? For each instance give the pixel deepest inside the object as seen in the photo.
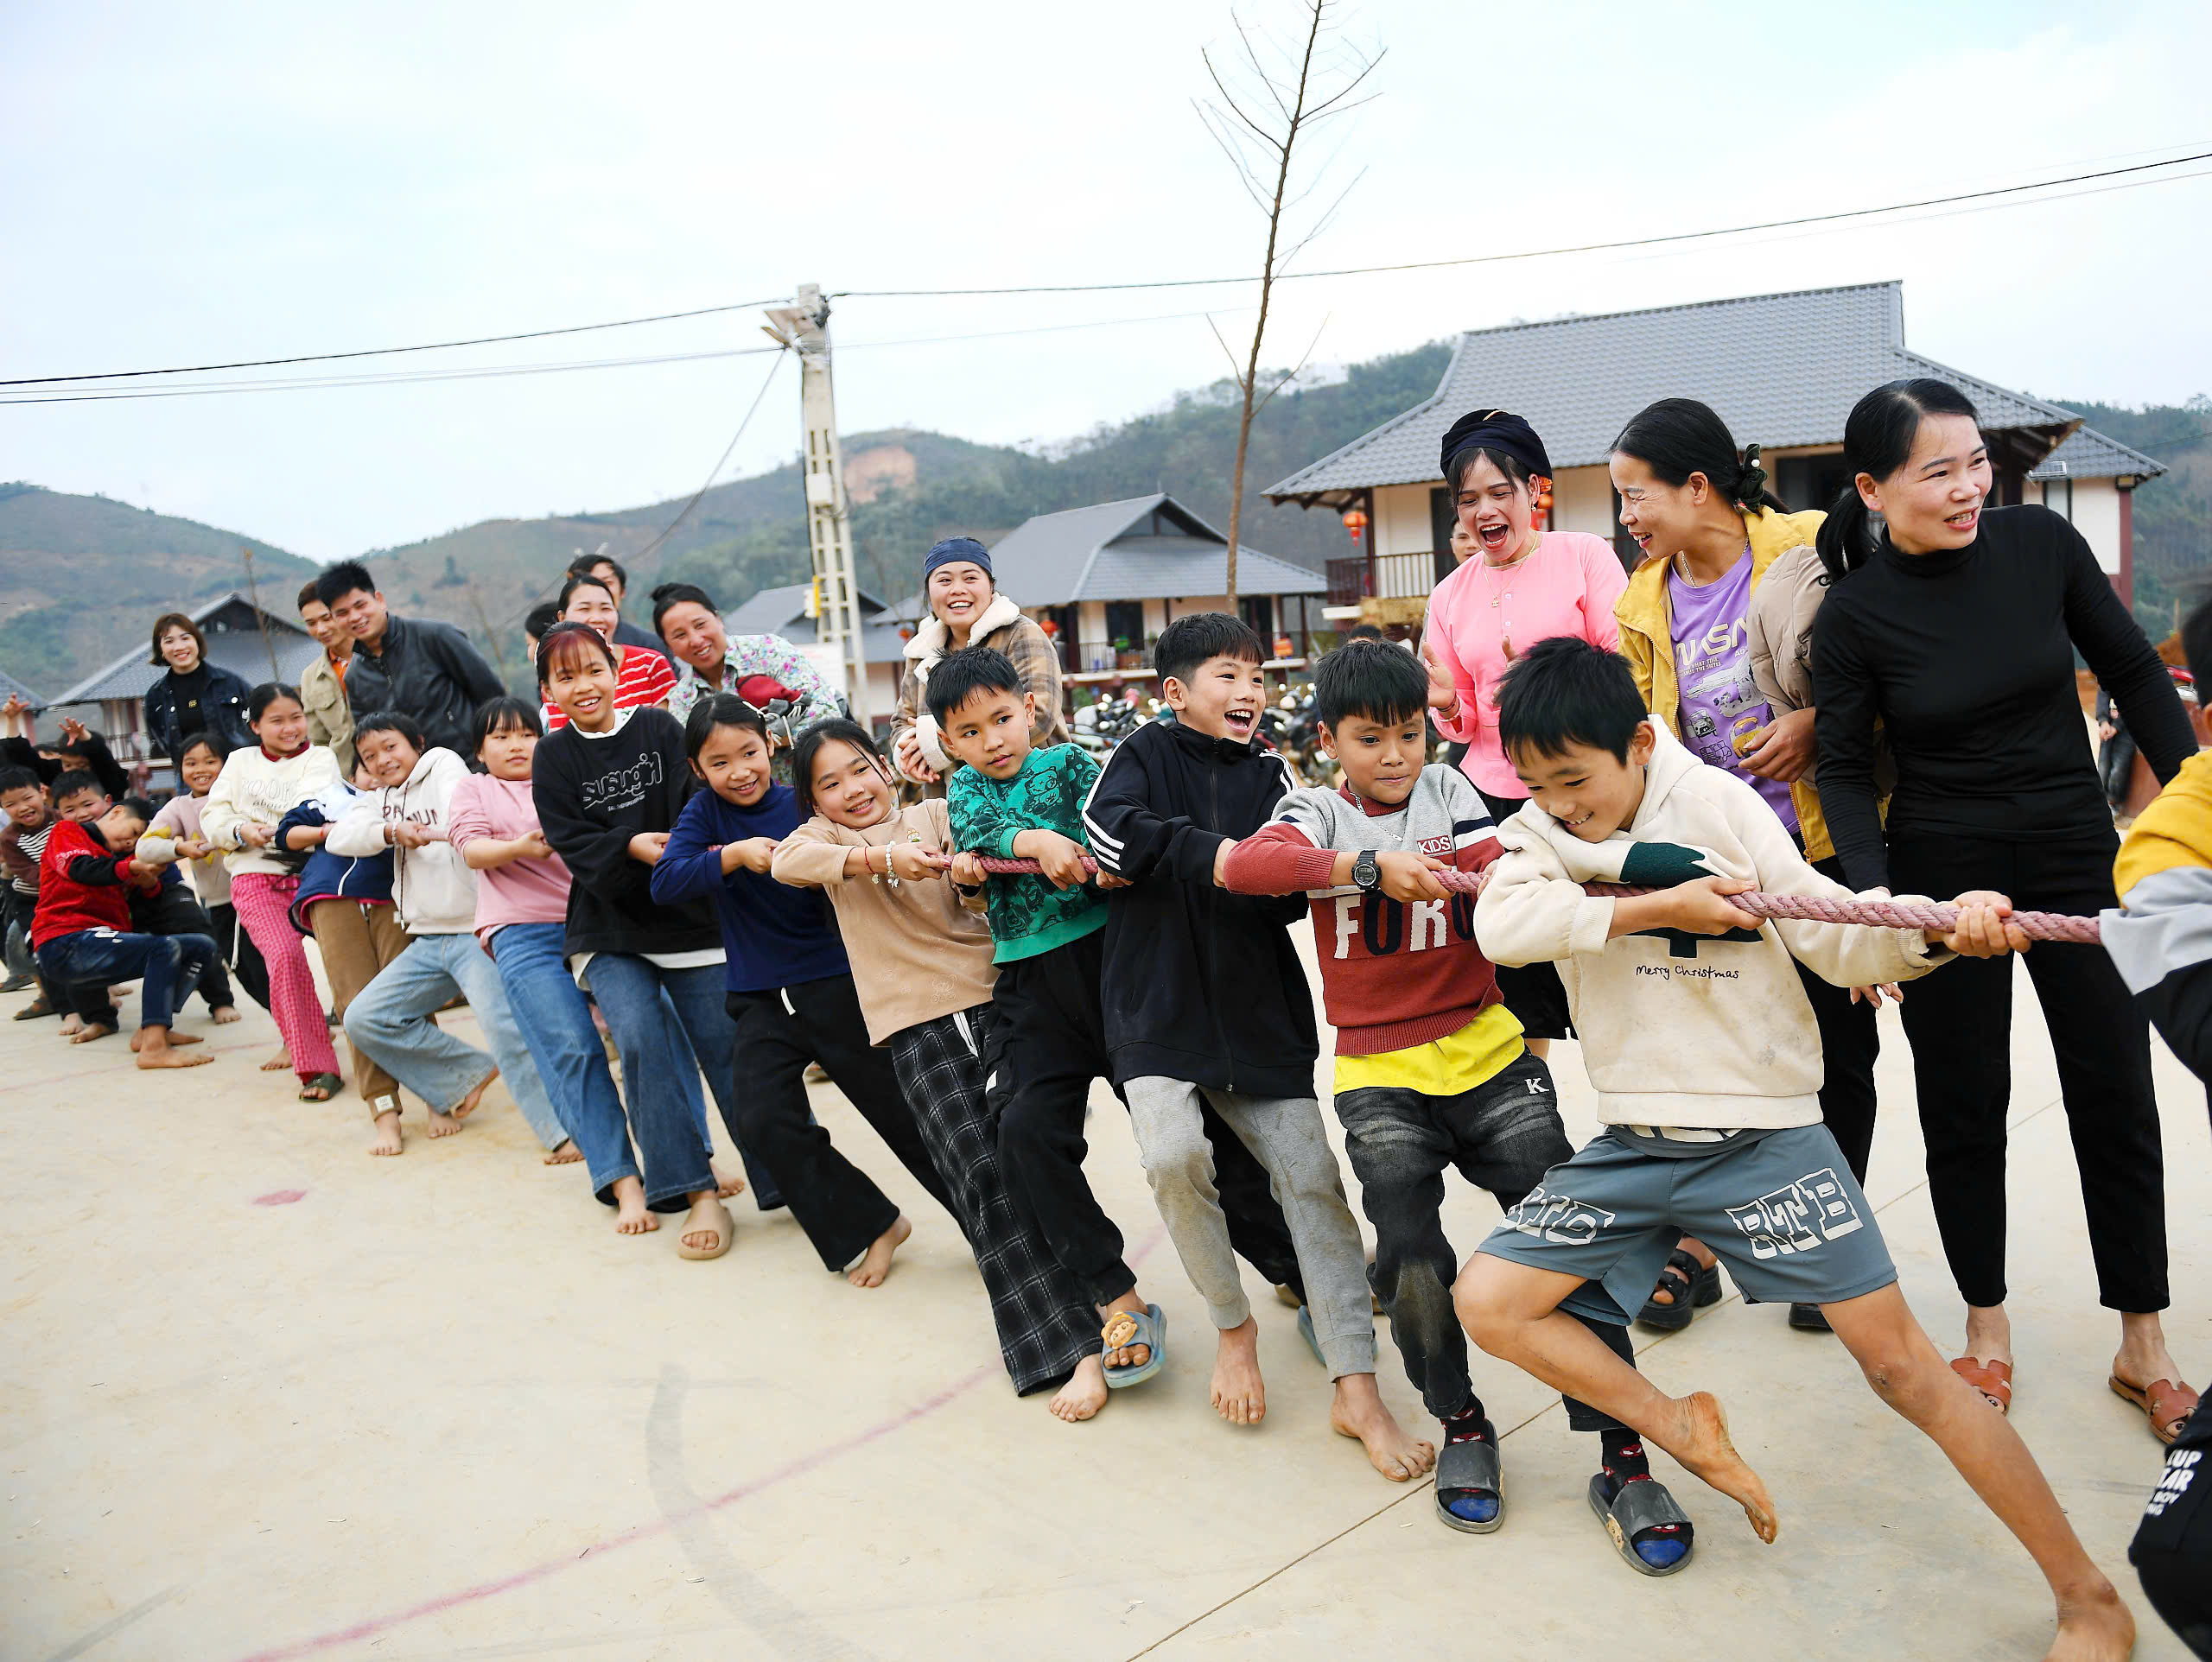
(1534, 992)
(173, 909)
(1047, 1046)
(1850, 1043)
(779, 1032)
(2173, 1551)
(238, 951)
(1960, 1022)
(1502, 1136)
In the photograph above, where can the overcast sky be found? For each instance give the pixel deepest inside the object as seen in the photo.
(181, 185)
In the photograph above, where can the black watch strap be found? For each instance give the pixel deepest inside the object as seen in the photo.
(1367, 871)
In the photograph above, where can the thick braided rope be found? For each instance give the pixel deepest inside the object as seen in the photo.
(1886, 914)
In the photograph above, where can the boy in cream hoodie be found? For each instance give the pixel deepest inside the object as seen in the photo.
(1707, 1062)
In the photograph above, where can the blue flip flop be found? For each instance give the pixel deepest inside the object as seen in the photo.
(1653, 1535)
(1128, 1327)
(1306, 1332)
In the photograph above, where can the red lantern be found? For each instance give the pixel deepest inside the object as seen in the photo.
(1051, 628)
(1543, 516)
(1356, 524)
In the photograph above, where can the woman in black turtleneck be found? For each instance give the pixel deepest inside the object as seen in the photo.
(1957, 630)
(195, 696)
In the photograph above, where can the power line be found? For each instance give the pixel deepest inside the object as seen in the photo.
(386, 351)
(1535, 253)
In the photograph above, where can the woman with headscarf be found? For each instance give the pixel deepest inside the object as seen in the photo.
(1520, 585)
(966, 609)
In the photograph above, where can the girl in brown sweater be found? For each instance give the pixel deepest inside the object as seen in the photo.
(920, 952)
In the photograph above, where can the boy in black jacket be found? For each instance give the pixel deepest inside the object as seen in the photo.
(1206, 1005)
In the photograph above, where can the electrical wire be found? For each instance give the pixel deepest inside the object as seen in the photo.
(386, 351)
(1536, 253)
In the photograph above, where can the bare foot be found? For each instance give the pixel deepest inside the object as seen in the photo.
(138, 1039)
(152, 1044)
(1125, 1356)
(725, 1185)
(1698, 1438)
(1360, 1411)
(444, 1125)
(383, 1133)
(1239, 1395)
(631, 1217)
(875, 1263)
(1084, 1394)
(72, 1024)
(468, 1103)
(2095, 1628)
(89, 1032)
(567, 1154)
(279, 1063)
(224, 1014)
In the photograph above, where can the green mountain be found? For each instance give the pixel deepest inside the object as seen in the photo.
(2173, 512)
(82, 578)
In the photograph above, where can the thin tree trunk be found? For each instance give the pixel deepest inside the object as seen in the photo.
(1251, 376)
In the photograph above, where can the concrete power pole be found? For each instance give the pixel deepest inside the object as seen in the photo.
(805, 328)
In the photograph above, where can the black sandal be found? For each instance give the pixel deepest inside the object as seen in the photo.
(1690, 1284)
(321, 1089)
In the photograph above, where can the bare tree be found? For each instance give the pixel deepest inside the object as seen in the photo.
(1268, 103)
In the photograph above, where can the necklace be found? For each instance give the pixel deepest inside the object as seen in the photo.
(1500, 592)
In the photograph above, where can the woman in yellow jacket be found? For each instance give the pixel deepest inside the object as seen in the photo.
(1728, 577)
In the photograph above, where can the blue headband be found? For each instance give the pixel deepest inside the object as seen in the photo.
(954, 549)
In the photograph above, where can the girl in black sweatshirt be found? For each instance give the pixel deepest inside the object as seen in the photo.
(1957, 632)
(608, 787)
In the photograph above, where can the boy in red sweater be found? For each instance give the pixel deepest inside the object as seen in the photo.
(1431, 1070)
(80, 930)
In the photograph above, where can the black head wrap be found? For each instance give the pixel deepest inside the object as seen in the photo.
(1499, 430)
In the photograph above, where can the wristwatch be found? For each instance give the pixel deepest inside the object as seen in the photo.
(1366, 872)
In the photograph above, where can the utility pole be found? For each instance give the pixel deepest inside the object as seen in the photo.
(805, 328)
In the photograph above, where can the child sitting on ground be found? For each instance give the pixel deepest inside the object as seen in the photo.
(1431, 1070)
(1170, 800)
(921, 961)
(1707, 1062)
(1012, 801)
(789, 991)
(29, 822)
(81, 930)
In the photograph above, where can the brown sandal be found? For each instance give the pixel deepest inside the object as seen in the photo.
(1992, 1379)
(2164, 1403)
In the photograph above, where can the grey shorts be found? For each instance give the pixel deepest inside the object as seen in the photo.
(1782, 1212)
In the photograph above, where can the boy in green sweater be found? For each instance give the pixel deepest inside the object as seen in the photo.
(1010, 802)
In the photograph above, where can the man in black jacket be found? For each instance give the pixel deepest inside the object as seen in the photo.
(420, 668)
(1207, 1007)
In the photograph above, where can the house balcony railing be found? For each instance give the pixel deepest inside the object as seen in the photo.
(1381, 576)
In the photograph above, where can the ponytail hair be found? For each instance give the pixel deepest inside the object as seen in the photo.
(1877, 439)
(1677, 437)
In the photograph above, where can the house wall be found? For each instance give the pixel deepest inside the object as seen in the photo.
(2096, 516)
(1582, 500)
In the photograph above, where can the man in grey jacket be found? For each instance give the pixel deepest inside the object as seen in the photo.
(419, 666)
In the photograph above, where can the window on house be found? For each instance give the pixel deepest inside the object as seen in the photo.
(2058, 496)
(1125, 625)
(1441, 519)
(1259, 610)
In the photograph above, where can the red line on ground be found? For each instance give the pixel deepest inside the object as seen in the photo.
(538, 1572)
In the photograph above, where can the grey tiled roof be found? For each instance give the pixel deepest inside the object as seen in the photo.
(1782, 369)
(783, 612)
(10, 687)
(1144, 547)
(2090, 454)
(234, 642)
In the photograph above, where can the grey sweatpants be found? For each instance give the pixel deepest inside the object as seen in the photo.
(1285, 1135)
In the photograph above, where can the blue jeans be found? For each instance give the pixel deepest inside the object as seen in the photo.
(390, 1020)
(169, 964)
(671, 1026)
(571, 1061)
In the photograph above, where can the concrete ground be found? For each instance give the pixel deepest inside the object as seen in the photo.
(265, 1397)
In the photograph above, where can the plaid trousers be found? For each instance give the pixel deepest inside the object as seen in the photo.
(1046, 1323)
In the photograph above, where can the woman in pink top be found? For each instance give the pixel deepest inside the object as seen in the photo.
(1520, 585)
(522, 910)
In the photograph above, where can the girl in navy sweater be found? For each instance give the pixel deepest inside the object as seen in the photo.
(789, 991)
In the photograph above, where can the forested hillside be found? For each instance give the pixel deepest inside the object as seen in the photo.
(2173, 512)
